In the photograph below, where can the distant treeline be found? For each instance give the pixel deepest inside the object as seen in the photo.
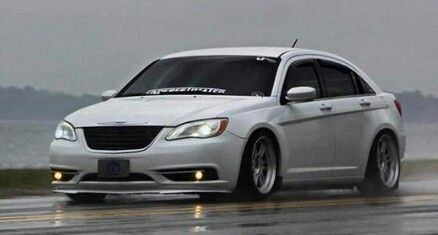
(31, 104)
(418, 107)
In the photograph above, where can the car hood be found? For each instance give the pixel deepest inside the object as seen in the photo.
(158, 110)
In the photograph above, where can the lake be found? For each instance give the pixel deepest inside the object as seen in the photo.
(25, 144)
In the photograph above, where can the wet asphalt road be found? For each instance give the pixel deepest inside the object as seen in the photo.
(412, 210)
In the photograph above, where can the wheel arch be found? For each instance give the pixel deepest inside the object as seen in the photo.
(275, 138)
(384, 129)
(372, 184)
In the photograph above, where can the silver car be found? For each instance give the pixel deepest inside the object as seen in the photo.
(244, 121)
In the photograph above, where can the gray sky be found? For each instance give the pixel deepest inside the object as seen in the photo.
(90, 46)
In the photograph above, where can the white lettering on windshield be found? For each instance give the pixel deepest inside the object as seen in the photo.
(186, 90)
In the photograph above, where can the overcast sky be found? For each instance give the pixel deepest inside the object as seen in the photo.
(90, 46)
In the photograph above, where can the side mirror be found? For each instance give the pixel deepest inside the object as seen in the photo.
(301, 94)
(106, 95)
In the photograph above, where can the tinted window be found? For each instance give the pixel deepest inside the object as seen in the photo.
(338, 80)
(363, 87)
(219, 75)
(302, 75)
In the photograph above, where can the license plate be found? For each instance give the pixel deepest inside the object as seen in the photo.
(112, 168)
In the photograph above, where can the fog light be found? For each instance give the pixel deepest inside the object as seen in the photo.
(57, 175)
(199, 175)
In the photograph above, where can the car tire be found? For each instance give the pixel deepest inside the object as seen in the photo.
(258, 176)
(383, 168)
(87, 197)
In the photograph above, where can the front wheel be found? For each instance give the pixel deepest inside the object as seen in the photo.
(258, 177)
(86, 197)
(383, 169)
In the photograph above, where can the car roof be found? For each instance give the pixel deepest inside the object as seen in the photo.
(267, 52)
(238, 51)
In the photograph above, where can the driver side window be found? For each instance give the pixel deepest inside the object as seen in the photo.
(302, 74)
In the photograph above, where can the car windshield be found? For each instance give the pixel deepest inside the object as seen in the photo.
(210, 75)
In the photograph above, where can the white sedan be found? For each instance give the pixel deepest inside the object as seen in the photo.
(245, 121)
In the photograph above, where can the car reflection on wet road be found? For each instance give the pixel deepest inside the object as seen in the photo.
(414, 209)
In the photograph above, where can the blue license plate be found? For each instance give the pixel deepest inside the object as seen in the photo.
(112, 168)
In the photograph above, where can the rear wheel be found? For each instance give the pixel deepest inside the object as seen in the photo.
(86, 197)
(383, 169)
(258, 177)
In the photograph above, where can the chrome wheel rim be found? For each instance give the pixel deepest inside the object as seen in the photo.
(387, 161)
(264, 165)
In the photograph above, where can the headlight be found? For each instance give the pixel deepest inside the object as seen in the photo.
(199, 129)
(65, 131)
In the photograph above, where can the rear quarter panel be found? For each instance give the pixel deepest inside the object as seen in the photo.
(386, 118)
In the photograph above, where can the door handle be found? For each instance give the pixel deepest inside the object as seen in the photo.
(325, 107)
(364, 103)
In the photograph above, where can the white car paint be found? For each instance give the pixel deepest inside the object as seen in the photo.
(324, 141)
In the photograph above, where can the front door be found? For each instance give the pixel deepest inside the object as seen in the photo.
(307, 127)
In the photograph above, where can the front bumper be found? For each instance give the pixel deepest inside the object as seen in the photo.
(222, 153)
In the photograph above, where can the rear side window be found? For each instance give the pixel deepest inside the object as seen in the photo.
(363, 87)
(338, 80)
(302, 75)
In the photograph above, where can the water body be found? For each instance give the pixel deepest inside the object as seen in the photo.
(25, 144)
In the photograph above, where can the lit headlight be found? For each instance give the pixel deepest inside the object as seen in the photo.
(65, 131)
(199, 129)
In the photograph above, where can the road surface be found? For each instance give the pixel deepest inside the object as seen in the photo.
(412, 210)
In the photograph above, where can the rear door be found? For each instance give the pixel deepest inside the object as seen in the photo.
(352, 113)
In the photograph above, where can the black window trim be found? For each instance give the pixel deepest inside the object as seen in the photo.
(359, 80)
(317, 58)
(312, 61)
(319, 62)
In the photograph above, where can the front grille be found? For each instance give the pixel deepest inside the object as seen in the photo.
(131, 177)
(120, 137)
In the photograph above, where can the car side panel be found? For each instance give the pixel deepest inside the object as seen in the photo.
(310, 142)
(354, 128)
